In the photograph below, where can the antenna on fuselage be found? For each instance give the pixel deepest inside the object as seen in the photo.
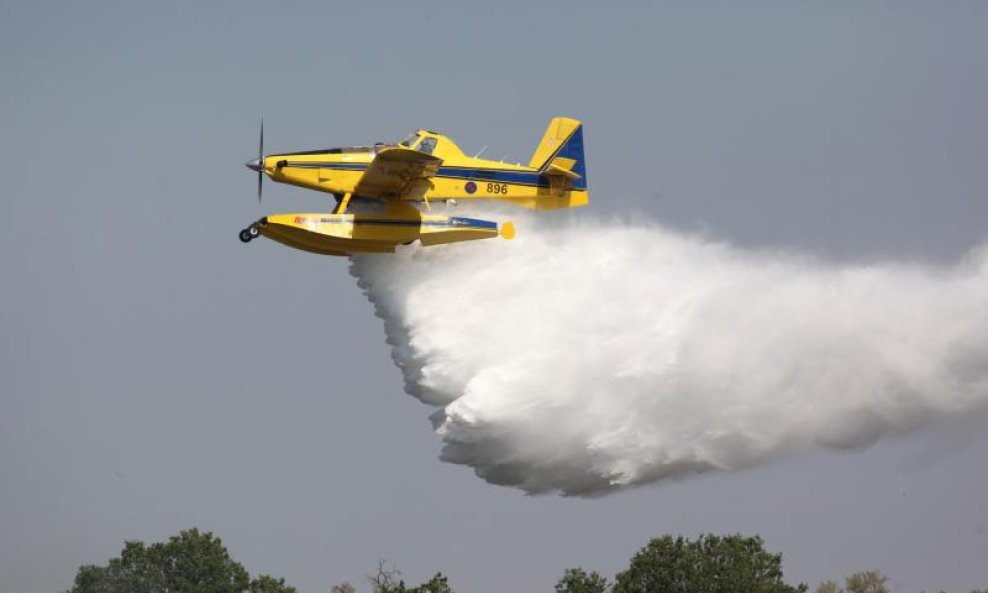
(480, 152)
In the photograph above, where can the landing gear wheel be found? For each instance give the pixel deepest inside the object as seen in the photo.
(245, 236)
(254, 231)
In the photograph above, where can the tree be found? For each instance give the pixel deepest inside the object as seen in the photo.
(437, 584)
(576, 580)
(711, 564)
(828, 587)
(190, 562)
(387, 579)
(269, 584)
(871, 581)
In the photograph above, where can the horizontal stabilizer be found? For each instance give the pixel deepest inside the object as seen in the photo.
(562, 167)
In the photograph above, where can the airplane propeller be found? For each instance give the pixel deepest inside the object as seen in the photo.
(258, 163)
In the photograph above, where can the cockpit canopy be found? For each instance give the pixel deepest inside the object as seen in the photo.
(420, 142)
(424, 141)
(429, 142)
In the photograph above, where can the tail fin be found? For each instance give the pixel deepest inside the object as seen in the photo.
(560, 153)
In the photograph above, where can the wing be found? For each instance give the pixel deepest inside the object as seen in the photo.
(397, 173)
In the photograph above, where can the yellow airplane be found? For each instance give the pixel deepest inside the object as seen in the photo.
(378, 189)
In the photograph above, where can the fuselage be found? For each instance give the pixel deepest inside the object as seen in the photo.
(339, 170)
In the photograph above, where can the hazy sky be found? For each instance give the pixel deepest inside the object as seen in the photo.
(157, 374)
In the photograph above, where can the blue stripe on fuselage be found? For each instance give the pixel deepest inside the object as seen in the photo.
(453, 221)
(469, 173)
(494, 175)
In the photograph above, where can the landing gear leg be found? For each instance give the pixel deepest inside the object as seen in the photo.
(344, 202)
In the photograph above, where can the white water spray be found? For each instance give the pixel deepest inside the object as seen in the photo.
(581, 358)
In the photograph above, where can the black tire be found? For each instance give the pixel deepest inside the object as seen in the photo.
(245, 236)
(254, 231)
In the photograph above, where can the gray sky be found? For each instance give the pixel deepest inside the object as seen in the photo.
(158, 375)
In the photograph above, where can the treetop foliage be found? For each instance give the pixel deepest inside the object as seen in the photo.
(190, 562)
(709, 564)
(197, 562)
(576, 580)
(387, 579)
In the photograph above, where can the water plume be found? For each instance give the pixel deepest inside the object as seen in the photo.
(584, 357)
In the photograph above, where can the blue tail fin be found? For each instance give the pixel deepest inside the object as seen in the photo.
(561, 152)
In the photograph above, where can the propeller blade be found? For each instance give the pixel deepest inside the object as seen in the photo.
(260, 160)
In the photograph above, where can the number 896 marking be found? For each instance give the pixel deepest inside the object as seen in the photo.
(497, 188)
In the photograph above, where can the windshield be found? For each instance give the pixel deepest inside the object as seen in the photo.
(411, 140)
(428, 145)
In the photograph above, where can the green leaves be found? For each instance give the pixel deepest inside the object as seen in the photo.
(269, 584)
(576, 580)
(710, 564)
(191, 562)
(437, 584)
(198, 562)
